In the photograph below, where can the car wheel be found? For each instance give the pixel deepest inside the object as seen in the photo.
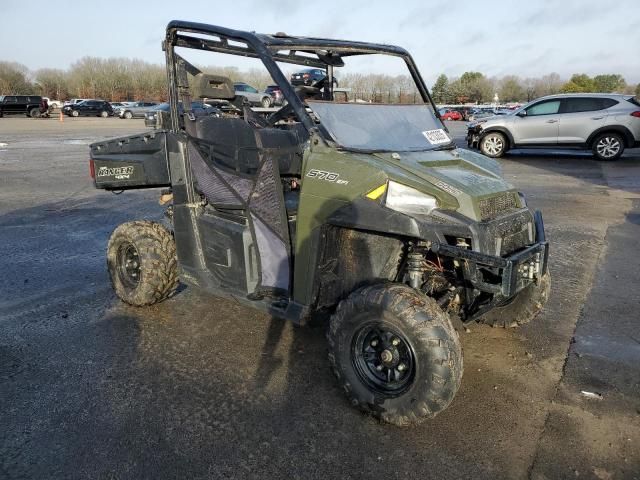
(74, 113)
(395, 353)
(608, 146)
(104, 114)
(34, 113)
(493, 145)
(128, 115)
(266, 102)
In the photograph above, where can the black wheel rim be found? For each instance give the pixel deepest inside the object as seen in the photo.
(383, 359)
(129, 270)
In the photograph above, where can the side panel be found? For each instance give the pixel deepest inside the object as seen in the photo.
(330, 180)
(229, 252)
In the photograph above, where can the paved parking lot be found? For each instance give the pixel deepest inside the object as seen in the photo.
(198, 387)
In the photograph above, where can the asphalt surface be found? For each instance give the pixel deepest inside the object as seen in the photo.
(199, 387)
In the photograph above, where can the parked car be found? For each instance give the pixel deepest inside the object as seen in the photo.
(480, 113)
(73, 101)
(276, 94)
(53, 103)
(89, 108)
(254, 97)
(450, 114)
(136, 109)
(199, 109)
(311, 77)
(606, 124)
(28, 105)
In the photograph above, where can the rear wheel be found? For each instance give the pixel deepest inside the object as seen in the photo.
(395, 353)
(142, 262)
(128, 115)
(523, 308)
(608, 146)
(266, 102)
(104, 114)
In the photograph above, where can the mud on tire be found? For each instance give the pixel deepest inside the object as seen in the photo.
(523, 308)
(420, 328)
(142, 262)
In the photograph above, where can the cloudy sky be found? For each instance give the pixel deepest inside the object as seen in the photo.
(496, 37)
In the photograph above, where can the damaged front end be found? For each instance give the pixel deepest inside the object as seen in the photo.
(467, 279)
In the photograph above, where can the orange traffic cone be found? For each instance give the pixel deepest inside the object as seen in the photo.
(61, 117)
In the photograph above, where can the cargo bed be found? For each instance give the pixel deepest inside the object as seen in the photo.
(135, 161)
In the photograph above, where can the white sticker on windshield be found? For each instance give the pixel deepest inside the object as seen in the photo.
(436, 137)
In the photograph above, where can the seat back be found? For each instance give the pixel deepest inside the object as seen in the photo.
(212, 86)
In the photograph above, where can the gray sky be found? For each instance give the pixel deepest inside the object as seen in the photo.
(496, 37)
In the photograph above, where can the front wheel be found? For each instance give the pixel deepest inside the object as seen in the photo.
(128, 115)
(74, 113)
(493, 145)
(608, 146)
(266, 102)
(34, 112)
(104, 114)
(142, 263)
(395, 353)
(522, 308)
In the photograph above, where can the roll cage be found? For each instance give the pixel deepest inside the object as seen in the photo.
(279, 47)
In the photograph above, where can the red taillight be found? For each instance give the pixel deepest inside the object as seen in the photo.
(636, 114)
(92, 169)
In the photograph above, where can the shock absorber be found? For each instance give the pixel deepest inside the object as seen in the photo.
(415, 267)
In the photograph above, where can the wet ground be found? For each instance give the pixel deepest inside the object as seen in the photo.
(198, 387)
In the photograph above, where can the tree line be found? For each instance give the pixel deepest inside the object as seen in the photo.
(119, 79)
(477, 88)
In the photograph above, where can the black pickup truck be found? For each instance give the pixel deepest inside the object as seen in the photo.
(28, 105)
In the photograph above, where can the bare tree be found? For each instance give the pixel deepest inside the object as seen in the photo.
(14, 79)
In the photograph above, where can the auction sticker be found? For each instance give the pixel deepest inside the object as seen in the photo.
(436, 137)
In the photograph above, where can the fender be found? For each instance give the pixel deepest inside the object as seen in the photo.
(622, 130)
(368, 215)
(500, 129)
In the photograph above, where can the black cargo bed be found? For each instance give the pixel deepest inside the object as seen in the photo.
(135, 161)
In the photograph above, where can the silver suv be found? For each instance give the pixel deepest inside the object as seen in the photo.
(603, 123)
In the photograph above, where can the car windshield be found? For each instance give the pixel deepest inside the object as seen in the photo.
(381, 127)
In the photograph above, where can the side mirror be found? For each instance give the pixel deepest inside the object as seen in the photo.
(522, 114)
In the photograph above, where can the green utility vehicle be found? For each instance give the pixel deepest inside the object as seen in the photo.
(363, 211)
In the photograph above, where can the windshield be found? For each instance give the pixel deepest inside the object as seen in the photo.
(382, 127)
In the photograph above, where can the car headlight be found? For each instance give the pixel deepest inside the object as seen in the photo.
(408, 200)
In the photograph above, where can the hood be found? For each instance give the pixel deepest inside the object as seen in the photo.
(459, 179)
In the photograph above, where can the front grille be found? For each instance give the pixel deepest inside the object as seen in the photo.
(497, 205)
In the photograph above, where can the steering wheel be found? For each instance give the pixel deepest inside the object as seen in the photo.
(303, 93)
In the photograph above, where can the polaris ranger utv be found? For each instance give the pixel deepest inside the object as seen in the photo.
(364, 211)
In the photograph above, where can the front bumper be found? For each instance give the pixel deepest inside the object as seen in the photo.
(514, 272)
(473, 136)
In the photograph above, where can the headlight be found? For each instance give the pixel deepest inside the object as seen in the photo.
(408, 200)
